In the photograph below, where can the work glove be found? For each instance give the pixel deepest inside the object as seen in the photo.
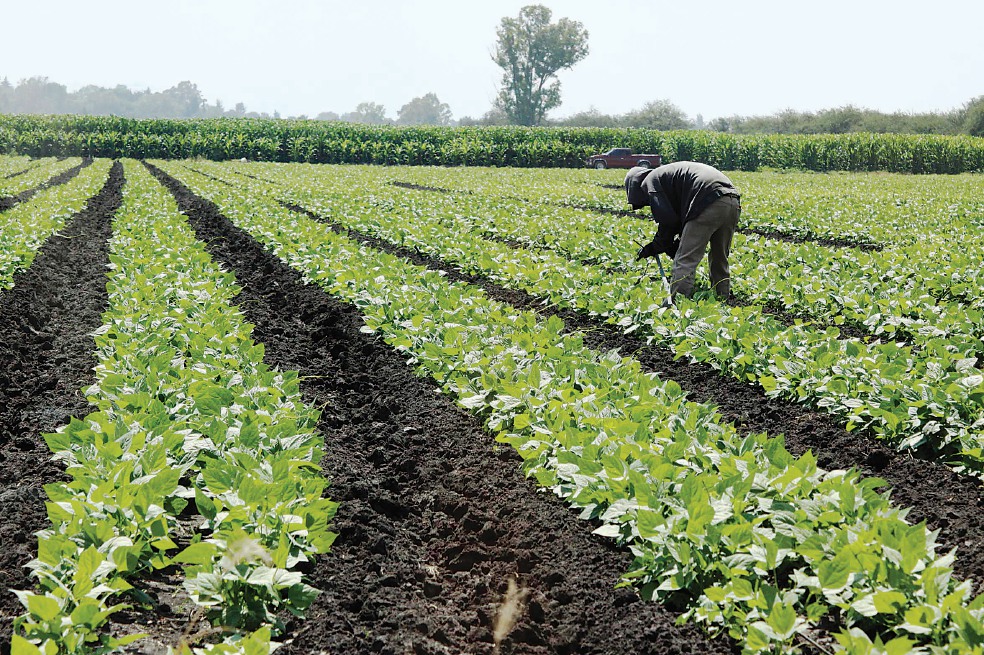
(656, 247)
(651, 249)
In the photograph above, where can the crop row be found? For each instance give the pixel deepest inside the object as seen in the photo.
(929, 398)
(887, 209)
(913, 293)
(762, 544)
(15, 165)
(26, 226)
(931, 227)
(36, 176)
(891, 294)
(196, 454)
(333, 142)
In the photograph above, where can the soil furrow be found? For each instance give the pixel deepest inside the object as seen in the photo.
(63, 177)
(944, 499)
(21, 172)
(434, 517)
(46, 359)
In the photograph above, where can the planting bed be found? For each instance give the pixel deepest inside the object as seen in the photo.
(476, 464)
(46, 359)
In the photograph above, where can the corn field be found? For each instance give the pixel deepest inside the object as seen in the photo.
(343, 143)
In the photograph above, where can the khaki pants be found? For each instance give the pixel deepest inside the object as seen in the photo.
(716, 226)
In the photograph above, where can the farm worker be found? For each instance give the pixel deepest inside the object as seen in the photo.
(694, 205)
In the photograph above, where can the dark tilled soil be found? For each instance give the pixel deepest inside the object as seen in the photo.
(830, 242)
(21, 172)
(424, 187)
(947, 501)
(46, 359)
(434, 517)
(63, 177)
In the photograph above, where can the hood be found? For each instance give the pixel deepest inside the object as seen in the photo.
(634, 193)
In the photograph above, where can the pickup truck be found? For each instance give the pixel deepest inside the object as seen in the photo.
(623, 158)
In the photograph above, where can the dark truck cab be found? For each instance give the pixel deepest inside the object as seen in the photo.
(623, 158)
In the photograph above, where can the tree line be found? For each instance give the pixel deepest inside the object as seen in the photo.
(39, 95)
(664, 115)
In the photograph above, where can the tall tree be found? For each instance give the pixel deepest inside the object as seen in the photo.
(367, 112)
(37, 95)
(531, 50)
(424, 110)
(186, 99)
(973, 123)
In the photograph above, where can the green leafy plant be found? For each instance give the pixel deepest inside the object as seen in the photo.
(747, 537)
(187, 417)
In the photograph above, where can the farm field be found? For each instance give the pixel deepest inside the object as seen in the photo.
(347, 407)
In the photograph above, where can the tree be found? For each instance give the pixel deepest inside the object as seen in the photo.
(36, 95)
(531, 50)
(726, 124)
(973, 123)
(658, 115)
(424, 110)
(6, 96)
(367, 112)
(185, 99)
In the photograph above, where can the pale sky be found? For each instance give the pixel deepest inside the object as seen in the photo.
(713, 57)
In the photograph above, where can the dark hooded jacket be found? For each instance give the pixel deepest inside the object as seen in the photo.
(676, 193)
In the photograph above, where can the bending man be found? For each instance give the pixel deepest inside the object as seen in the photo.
(694, 205)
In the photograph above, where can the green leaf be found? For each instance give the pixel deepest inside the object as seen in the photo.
(204, 504)
(199, 554)
(44, 608)
(300, 597)
(87, 613)
(889, 602)
(782, 619)
(608, 530)
(919, 620)
(21, 646)
(899, 646)
(833, 574)
(742, 589)
(210, 399)
(756, 641)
